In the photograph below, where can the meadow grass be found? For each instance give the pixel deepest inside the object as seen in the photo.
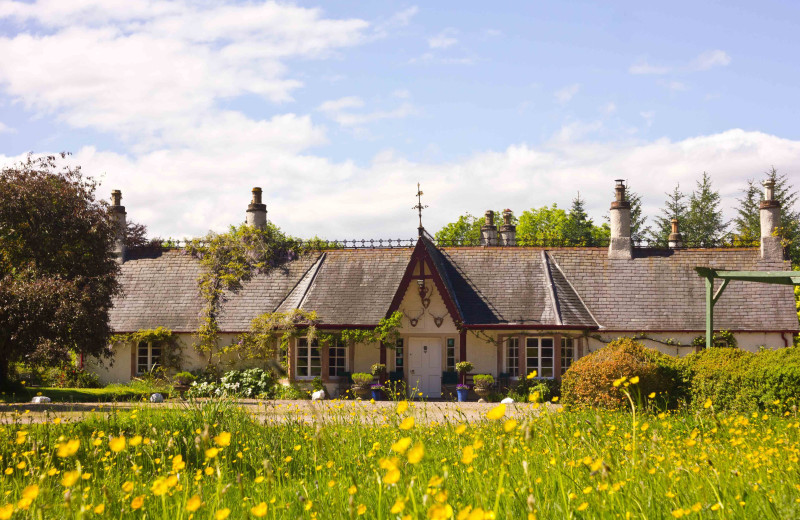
(214, 460)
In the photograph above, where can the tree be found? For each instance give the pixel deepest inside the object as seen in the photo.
(674, 208)
(578, 226)
(541, 226)
(748, 223)
(639, 228)
(467, 230)
(57, 271)
(136, 237)
(704, 224)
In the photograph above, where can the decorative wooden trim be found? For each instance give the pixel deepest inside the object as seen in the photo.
(324, 360)
(134, 352)
(557, 356)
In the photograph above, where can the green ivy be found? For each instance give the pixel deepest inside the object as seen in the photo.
(172, 356)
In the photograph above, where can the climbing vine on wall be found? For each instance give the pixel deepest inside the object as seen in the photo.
(230, 259)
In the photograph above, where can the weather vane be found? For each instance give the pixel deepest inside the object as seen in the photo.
(419, 207)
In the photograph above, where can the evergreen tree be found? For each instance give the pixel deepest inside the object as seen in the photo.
(578, 227)
(639, 228)
(704, 224)
(674, 207)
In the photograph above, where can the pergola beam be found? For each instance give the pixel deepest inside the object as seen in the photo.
(771, 277)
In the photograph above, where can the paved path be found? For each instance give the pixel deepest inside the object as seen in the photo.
(271, 412)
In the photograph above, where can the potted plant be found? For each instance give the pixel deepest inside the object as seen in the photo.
(377, 391)
(462, 391)
(361, 384)
(182, 381)
(483, 384)
(463, 368)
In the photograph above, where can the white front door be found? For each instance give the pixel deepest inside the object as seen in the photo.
(425, 366)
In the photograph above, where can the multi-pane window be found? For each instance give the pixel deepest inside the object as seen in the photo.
(398, 354)
(539, 356)
(567, 353)
(309, 361)
(148, 357)
(451, 354)
(512, 357)
(337, 358)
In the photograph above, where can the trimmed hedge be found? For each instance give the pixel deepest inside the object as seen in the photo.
(739, 380)
(589, 381)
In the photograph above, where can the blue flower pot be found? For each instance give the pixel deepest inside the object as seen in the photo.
(377, 394)
(462, 394)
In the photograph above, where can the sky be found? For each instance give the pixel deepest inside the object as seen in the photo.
(337, 109)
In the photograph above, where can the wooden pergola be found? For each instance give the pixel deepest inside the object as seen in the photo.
(774, 277)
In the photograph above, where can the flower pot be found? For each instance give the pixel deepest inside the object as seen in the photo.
(462, 394)
(362, 392)
(377, 394)
(181, 389)
(482, 391)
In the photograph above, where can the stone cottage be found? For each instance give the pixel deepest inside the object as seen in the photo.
(508, 309)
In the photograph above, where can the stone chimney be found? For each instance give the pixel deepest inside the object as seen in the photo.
(620, 246)
(675, 238)
(508, 231)
(489, 230)
(120, 222)
(770, 210)
(256, 211)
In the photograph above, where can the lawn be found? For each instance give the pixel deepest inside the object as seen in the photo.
(213, 460)
(110, 393)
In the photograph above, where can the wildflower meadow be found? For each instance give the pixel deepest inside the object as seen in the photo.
(215, 460)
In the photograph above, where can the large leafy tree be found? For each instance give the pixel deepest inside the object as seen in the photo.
(747, 222)
(467, 229)
(675, 207)
(704, 223)
(57, 273)
(543, 225)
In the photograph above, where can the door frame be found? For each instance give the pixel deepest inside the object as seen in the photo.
(417, 342)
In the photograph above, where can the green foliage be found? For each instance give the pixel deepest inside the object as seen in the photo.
(229, 260)
(704, 223)
(270, 334)
(361, 379)
(525, 388)
(70, 376)
(465, 230)
(378, 369)
(483, 380)
(184, 378)
(577, 229)
(723, 339)
(171, 348)
(544, 225)
(57, 272)
(589, 381)
(737, 380)
(675, 207)
(253, 382)
(464, 367)
(387, 331)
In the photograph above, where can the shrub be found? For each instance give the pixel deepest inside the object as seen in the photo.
(547, 388)
(361, 379)
(70, 376)
(589, 381)
(743, 381)
(483, 380)
(464, 367)
(183, 378)
(248, 383)
(378, 369)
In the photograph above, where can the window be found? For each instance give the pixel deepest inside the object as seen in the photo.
(148, 357)
(567, 353)
(451, 354)
(398, 354)
(539, 356)
(337, 358)
(309, 362)
(512, 357)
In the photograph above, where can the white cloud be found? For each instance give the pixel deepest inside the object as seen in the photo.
(340, 111)
(648, 116)
(709, 59)
(565, 94)
(402, 94)
(5, 129)
(609, 108)
(642, 67)
(675, 86)
(444, 39)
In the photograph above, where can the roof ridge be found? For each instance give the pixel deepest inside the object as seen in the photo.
(566, 279)
(551, 289)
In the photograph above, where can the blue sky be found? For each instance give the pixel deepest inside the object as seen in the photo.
(338, 109)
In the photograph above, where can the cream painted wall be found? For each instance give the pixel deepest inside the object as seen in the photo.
(750, 341)
(365, 356)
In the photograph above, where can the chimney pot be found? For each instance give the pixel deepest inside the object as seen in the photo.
(120, 224)
(770, 217)
(675, 237)
(508, 231)
(256, 211)
(489, 230)
(620, 246)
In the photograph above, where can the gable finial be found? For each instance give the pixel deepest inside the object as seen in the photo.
(419, 207)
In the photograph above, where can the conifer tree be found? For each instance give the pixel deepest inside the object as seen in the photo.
(674, 207)
(704, 224)
(578, 227)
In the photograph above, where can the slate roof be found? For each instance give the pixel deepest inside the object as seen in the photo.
(532, 287)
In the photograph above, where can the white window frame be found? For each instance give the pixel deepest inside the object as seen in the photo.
(338, 343)
(447, 357)
(308, 357)
(506, 357)
(150, 363)
(540, 359)
(399, 354)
